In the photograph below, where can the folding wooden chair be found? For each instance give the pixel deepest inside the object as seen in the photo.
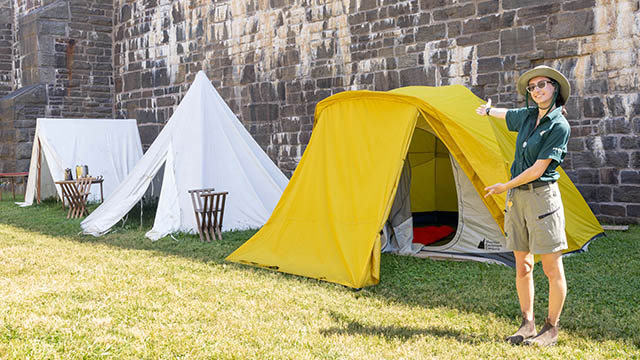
(76, 193)
(208, 207)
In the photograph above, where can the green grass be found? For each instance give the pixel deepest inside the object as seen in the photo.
(68, 296)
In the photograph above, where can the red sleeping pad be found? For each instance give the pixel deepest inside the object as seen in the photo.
(430, 234)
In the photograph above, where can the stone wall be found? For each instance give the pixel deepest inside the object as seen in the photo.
(274, 60)
(6, 47)
(19, 112)
(67, 45)
(62, 48)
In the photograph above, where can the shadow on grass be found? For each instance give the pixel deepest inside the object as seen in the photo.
(601, 302)
(355, 328)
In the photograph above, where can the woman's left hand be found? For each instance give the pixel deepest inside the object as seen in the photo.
(495, 189)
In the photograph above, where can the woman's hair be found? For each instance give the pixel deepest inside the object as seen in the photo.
(560, 101)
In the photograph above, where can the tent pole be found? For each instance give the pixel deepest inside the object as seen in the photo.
(141, 204)
(39, 170)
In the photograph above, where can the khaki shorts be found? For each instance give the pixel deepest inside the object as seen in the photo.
(534, 220)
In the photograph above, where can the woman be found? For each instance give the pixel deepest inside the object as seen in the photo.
(534, 219)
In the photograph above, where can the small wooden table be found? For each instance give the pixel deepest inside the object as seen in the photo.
(62, 184)
(209, 215)
(13, 177)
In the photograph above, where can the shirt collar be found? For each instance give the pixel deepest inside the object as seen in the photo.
(553, 116)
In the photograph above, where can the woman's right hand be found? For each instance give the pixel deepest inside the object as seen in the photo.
(482, 109)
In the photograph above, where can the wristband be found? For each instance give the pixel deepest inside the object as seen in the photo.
(488, 110)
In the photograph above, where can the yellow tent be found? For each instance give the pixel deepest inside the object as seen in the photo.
(328, 221)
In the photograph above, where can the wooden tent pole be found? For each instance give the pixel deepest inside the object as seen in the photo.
(39, 170)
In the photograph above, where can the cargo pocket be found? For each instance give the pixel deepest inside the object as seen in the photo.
(548, 214)
(550, 221)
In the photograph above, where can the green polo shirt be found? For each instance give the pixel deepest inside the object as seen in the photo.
(547, 141)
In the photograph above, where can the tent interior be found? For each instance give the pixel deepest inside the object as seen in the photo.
(425, 210)
(433, 195)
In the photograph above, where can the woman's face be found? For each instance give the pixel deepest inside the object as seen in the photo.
(542, 96)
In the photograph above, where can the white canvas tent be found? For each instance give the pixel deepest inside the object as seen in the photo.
(203, 145)
(109, 147)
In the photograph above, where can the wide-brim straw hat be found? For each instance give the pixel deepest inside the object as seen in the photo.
(551, 73)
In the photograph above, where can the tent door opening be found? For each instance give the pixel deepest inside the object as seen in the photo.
(434, 199)
(425, 208)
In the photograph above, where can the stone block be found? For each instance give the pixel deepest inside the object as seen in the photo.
(575, 144)
(596, 86)
(595, 193)
(617, 159)
(616, 105)
(578, 5)
(593, 107)
(177, 13)
(455, 12)
(515, 4)
(629, 142)
(609, 142)
(367, 5)
(58, 10)
(23, 150)
(609, 176)
(515, 41)
(485, 23)
(585, 160)
(573, 24)
(491, 48)
(248, 75)
(58, 28)
(431, 4)
(488, 7)
(454, 29)
(588, 176)
(22, 165)
(417, 76)
(538, 11)
(431, 32)
(387, 80)
(149, 132)
(633, 210)
(617, 126)
(494, 64)
(479, 38)
(612, 210)
(132, 81)
(635, 159)
(125, 13)
(626, 194)
(160, 77)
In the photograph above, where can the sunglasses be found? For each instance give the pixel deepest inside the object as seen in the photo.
(540, 85)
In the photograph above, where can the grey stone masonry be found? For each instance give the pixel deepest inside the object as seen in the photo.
(6, 47)
(18, 113)
(64, 49)
(272, 61)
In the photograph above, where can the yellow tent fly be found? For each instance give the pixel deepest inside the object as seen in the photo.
(328, 221)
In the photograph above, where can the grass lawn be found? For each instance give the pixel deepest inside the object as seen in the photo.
(68, 296)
